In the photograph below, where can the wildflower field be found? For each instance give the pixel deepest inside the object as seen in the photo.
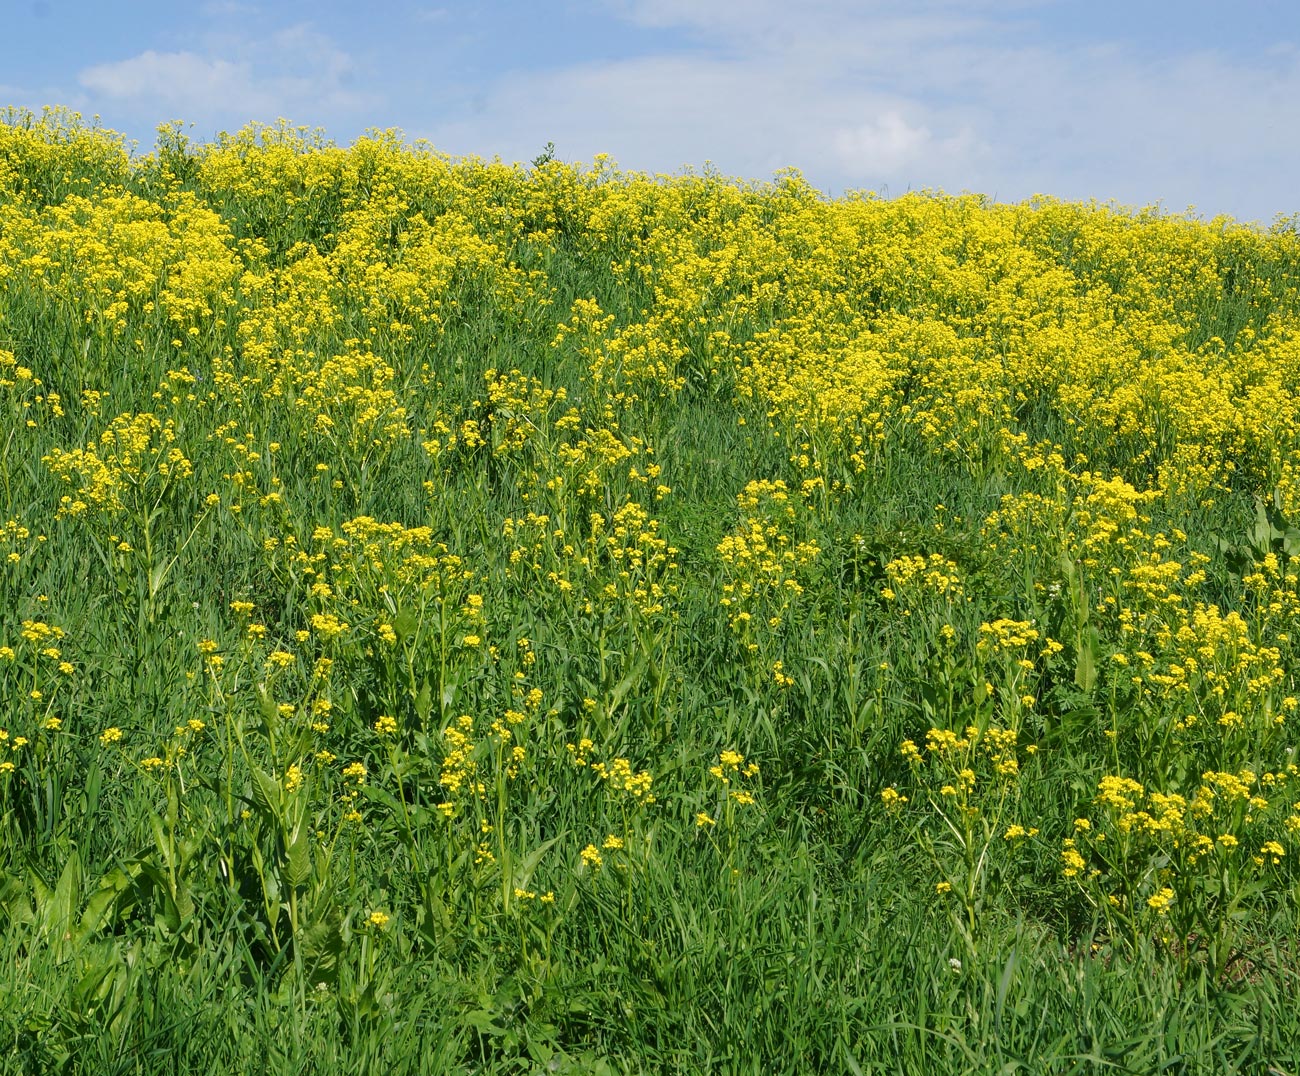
(459, 617)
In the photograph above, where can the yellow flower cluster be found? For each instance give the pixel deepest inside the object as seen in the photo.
(766, 555)
(259, 344)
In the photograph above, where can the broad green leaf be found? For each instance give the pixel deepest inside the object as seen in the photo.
(524, 868)
(161, 842)
(100, 977)
(1085, 668)
(267, 790)
(62, 907)
(404, 623)
(16, 901)
(298, 868)
(266, 706)
(424, 701)
(98, 908)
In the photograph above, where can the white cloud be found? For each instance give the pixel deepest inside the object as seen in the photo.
(932, 93)
(747, 117)
(886, 94)
(295, 72)
(175, 80)
(888, 143)
(1196, 128)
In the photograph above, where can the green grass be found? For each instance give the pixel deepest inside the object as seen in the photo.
(212, 910)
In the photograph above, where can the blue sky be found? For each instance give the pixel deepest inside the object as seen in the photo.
(1194, 103)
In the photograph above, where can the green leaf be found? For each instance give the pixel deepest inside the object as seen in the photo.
(98, 908)
(424, 701)
(267, 789)
(160, 841)
(1004, 983)
(267, 707)
(322, 942)
(381, 795)
(61, 908)
(404, 623)
(99, 979)
(158, 575)
(183, 902)
(1262, 537)
(298, 868)
(525, 867)
(1085, 667)
(621, 690)
(173, 806)
(1069, 569)
(16, 901)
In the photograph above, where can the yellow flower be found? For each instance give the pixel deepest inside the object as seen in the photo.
(892, 798)
(378, 920)
(293, 779)
(702, 819)
(591, 856)
(1274, 850)
(327, 625)
(385, 725)
(110, 736)
(1071, 858)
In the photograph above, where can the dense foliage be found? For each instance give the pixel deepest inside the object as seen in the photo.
(469, 617)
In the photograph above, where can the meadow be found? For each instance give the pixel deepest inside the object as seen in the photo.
(479, 618)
